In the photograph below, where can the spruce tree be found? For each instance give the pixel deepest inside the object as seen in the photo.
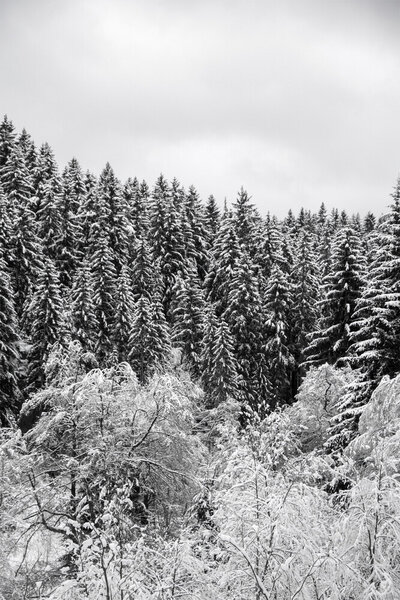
(245, 317)
(49, 222)
(341, 288)
(46, 314)
(123, 315)
(195, 232)
(220, 370)
(7, 140)
(84, 326)
(224, 257)
(278, 302)
(305, 311)
(9, 347)
(104, 278)
(188, 318)
(246, 220)
(212, 219)
(149, 347)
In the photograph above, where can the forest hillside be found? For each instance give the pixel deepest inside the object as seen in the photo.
(195, 401)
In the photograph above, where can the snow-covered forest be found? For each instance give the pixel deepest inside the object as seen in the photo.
(196, 401)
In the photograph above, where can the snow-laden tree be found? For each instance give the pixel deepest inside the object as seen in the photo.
(341, 288)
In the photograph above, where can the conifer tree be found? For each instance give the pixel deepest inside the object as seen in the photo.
(278, 302)
(123, 315)
(245, 317)
(113, 215)
(88, 215)
(46, 313)
(342, 288)
(246, 219)
(46, 172)
(27, 146)
(16, 180)
(167, 240)
(305, 310)
(224, 257)
(269, 252)
(149, 339)
(219, 373)
(49, 222)
(188, 318)
(212, 218)
(146, 277)
(9, 347)
(137, 208)
(104, 277)
(26, 260)
(7, 139)
(5, 230)
(84, 326)
(195, 232)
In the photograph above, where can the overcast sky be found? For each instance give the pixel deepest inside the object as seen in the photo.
(296, 100)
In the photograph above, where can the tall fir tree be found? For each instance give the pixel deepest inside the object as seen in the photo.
(341, 288)
(82, 314)
(104, 276)
(123, 315)
(188, 318)
(9, 348)
(149, 339)
(46, 314)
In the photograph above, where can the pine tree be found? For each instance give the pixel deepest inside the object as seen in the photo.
(269, 252)
(104, 278)
(49, 222)
(46, 172)
(246, 220)
(342, 288)
(212, 219)
(26, 260)
(7, 139)
(88, 215)
(224, 257)
(5, 230)
(195, 232)
(123, 315)
(145, 274)
(84, 326)
(9, 347)
(245, 318)
(46, 313)
(188, 318)
(149, 339)
(305, 310)
(113, 215)
(27, 146)
(167, 240)
(278, 302)
(137, 209)
(219, 373)
(16, 180)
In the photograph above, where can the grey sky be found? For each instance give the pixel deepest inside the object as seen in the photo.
(296, 100)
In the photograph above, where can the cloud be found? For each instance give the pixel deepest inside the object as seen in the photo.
(297, 101)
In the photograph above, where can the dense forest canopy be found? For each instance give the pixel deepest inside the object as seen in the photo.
(194, 401)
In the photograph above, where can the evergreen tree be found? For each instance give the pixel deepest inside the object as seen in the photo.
(16, 180)
(104, 277)
(244, 315)
(278, 302)
(27, 146)
(5, 230)
(246, 219)
(219, 373)
(123, 315)
(149, 339)
(49, 222)
(195, 232)
(46, 313)
(269, 252)
(7, 140)
(9, 347)
(305, 302)
(84, 326)
(26, 257)
(113, 215)
(224, 257)
(46, 172)
(137, 209)
(342, 288)
(188, 318)
(212, 219)
(146, 278)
